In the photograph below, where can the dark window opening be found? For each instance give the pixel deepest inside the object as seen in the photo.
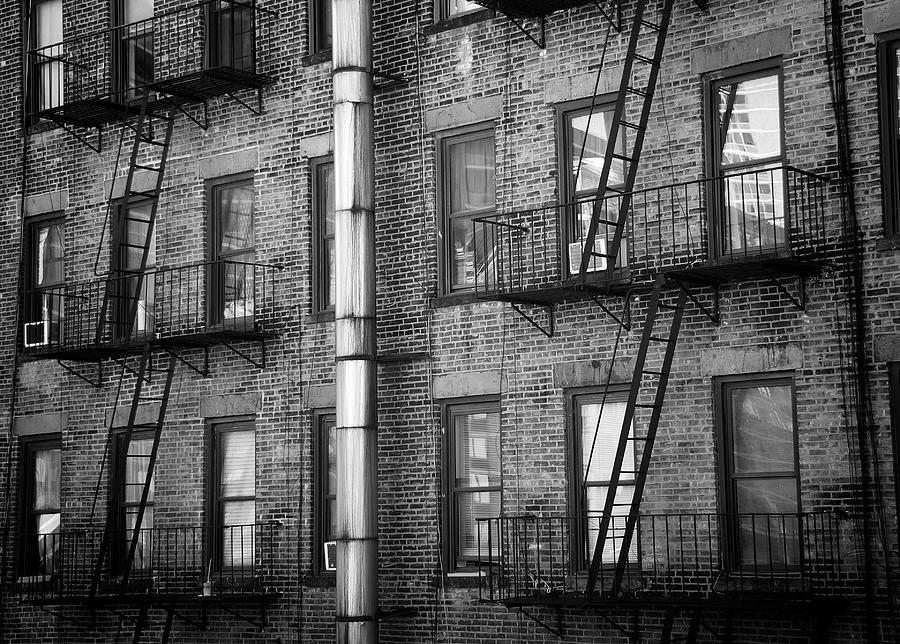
(473, 477)
(319, 26)
(323, 212)
(41, 467)
(889, 86)
(760, 479)
(231, 41)
(134, 50)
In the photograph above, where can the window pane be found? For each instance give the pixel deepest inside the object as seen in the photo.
(762, 429)
(599, 466)
(471, 175)
(136, 466)
(49, 254)
(238, 519)
(472, 506)
(235, 208)
(137, 10)
(142, 552)
(238, 464)
(332, 459)
(768, 540)
(235, 36)
(48, 542)
(754, 210)
(323, 24)
(477, 439)
(595, 499)
(324, 208)
(750, 118)
(461, 6)
(47, 464)
(590, 131)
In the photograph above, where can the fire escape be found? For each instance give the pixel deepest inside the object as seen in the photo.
(146, 321)
(669, 246)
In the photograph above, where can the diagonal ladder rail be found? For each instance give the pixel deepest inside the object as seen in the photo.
(630, 87)
(124, 285)
(658, 378)
(146, 373)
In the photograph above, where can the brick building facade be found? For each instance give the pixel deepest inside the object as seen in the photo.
(197, 310)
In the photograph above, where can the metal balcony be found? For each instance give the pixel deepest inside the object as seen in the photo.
(740, 226)
(532, 8)
(208, 49)
(674, 558)
(189, 306)
(199, 563)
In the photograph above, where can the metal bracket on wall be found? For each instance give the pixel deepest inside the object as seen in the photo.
(97, 383)
(203, 125)
(711, 313)
(83, 139)
(800, 300)
(614, 16)
(394, 80)
(547, 330)
(203, 371)
(624, 318)
(259, 365)
(541, 40)
(558, 631)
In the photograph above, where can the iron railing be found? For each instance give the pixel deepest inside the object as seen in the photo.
(231, 561)
(671, 555)
(775, 212)
(184, 302)
(117, 63)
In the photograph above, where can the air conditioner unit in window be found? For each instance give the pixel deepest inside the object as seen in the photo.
(36, 334)
(596, 264)
(330, 555)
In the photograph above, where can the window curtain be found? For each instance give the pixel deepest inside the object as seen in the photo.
(238, 482)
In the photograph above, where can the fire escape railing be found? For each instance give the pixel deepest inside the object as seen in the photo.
(230, 561)
(183, 302)
(773, 212)
(115, 62)
(676, 556)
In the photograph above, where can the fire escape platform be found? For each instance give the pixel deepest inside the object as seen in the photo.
(723, 272)
(212, 82)
(531, 8)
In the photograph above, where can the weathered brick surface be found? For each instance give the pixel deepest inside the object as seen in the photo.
(424, 337)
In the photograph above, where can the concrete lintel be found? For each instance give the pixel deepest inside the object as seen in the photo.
(591, 373)
(467, 383)
(319, 145)
(757, 359)
(320, 396)
(144, 180)
(882, 17)
(146, 413)
(223, 406)
(738, 51)
(571, 87)
(46, 202)
(222, 165)
(475, 110)
(37, 424)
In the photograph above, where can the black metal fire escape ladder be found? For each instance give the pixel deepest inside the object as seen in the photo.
(639, 75)
(123, 287)
(647, 391)
(147, 372)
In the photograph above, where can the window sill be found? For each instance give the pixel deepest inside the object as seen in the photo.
(459, 21)
(321, 316)
(316, 58)
(459, 579)
(888, 242)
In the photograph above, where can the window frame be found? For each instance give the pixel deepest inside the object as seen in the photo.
(216, 277)
(121, 48)
(320, 270)
(218, 35)
(117, 499)
(442, 11)
(28, 447)
(729, 530)
(34, 101)
(30, 309)
(443, 141)
(213, 544)
(887, 51)
(450, 410)
(565, 112)
(316, 29)
(712, 146)
(121, 274)
(324, 420)
(894, 393)
(575, 398)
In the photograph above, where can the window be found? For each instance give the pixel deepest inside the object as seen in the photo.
(135, 317)
(45, 276)
(41, 464)
(889, 84)
(467, 191)
(584, 134)
(745, 145)
(450, 8)
(133, 39)
(760, 482)
(326, 486)
(323, 209)
(130, 469)
(232, 274)
(894, 375)
(231, 43)
(597, 427)
(319, 26)
(47, 78)
(473, 478)
(233, 495)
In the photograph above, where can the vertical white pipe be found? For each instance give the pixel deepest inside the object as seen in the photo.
(356, 432)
